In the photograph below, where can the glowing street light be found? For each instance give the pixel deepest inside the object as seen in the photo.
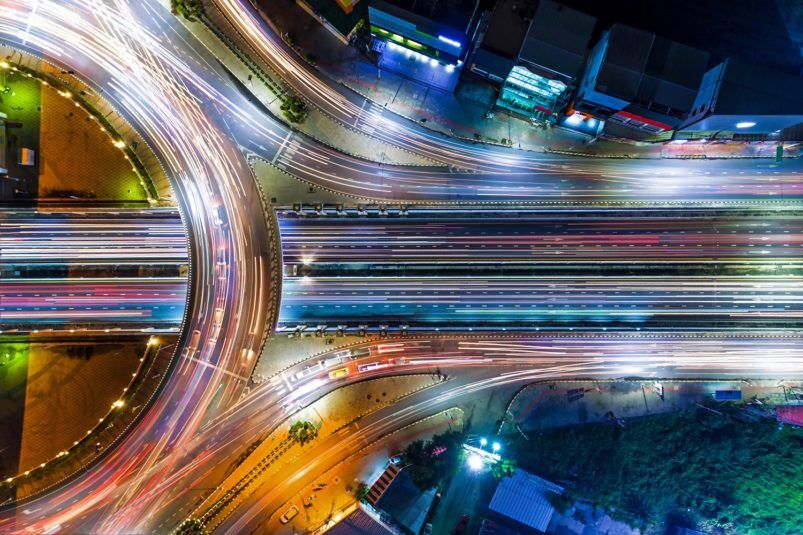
(496, 446)
(475, 462)
(483, 442)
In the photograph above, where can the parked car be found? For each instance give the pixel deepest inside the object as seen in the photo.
(289, 514)
(396, 459)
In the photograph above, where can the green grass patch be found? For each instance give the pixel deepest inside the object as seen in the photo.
(13, 380)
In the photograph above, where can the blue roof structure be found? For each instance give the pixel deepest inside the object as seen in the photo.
(407, 505)
(360, 523)
(523, 498)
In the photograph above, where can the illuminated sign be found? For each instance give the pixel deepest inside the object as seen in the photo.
(450, 41)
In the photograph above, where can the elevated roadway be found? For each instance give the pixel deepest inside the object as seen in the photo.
(500, 303)
(116, 305)
(614, 237)
(85, 235)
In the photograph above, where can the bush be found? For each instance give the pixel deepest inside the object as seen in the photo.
(361, 491)
(303, 432)
(295, 109)
(189, 9)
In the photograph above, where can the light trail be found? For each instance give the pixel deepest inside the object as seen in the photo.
(92, 304)
(569, 237)
(169, 87)
(533, 302)
(131, 52)
(92, 236)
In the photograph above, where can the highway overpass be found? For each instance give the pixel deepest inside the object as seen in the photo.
(527, 270)
(92, 270)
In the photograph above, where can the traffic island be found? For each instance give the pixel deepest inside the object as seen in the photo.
(353, 485)
(283, 455)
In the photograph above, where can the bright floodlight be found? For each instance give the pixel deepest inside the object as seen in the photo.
(483, 441)
(433, 62)
(575, 119)
(496, 446)
(745, 124)
(475, 462)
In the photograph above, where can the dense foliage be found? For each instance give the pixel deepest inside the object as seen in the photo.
(432, 461)
(715, 470)
(303, 432)
(294, 109)
(189, 9)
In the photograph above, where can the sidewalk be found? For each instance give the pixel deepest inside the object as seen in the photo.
(464, 113)
(562, 404)
(268, 92)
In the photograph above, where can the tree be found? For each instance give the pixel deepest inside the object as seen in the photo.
(189, 9)
(295, 109)
(504, 468)
(361, 491)
(561, 501)
(303, 432)
(726, 474)
(434, 460)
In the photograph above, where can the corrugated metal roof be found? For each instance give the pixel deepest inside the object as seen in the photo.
(359, 523)
(523, 498)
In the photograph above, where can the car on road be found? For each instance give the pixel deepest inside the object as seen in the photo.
(289, 514)
(339, 374)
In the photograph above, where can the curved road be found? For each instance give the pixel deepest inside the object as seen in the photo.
(136, 54)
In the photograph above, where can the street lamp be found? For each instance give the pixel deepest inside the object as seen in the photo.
(483, 442)
(475, 462)
(496, 446)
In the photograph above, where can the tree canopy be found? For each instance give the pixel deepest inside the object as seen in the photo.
(722, 473)
(434, 460)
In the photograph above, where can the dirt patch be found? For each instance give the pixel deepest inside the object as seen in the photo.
(69, 389)
(78, 158)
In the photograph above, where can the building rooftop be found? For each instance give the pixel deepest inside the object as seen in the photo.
(407, 505)
(523, 498)
(557, 38)
(496, 66)
(758, 90)
(360, 523)
(672, 77)
(508, 26)
(344, 22)
(790, 414)
(455, 14)
(626, 56)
